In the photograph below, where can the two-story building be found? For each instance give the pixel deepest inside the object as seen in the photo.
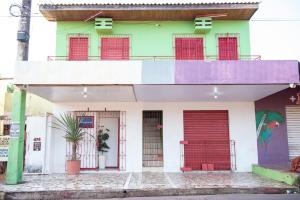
(175, 83)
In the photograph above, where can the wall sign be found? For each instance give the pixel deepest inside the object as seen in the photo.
(4, 140)
(14, 130)
(37, 144)
(86, 121)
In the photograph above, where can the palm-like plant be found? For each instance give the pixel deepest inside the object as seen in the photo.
(73, 132)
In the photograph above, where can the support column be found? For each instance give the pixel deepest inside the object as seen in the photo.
(14, 173)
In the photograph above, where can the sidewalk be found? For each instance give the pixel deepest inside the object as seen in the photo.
(120, 184)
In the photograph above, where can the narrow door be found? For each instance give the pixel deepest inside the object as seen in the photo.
(152, 139)
(112, 155)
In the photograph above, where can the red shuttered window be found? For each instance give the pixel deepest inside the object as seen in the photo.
(78, 48)
(189, 49)
(228, 48)
(115, 48)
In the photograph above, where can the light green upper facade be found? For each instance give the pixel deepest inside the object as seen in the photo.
(154, 38)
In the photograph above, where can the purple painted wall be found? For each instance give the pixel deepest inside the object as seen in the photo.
(276, 151)
(236, 72)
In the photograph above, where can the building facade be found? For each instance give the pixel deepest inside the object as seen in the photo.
(175, 84)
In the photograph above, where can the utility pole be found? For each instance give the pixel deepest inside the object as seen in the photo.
(14, 174)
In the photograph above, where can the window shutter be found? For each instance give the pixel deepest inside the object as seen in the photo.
(78, 48)
(228, 49)
(189, 49)
(115, 48)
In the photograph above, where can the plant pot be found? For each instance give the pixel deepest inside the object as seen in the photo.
(102, 161)
(73, 167)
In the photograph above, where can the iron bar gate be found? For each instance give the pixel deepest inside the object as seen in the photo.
(152, 139)
(87, 148)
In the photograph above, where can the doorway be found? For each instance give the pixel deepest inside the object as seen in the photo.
(152, 139)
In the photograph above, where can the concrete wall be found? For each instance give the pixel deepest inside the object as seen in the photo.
(241, 124)
(273, 148)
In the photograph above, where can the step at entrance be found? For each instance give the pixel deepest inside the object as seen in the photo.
(152, 139)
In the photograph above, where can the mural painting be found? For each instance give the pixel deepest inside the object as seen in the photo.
(266, 121)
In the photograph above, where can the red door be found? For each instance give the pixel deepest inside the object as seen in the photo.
(78, 48)
(115, 48)
(189, 49)
(206, 134)
(228, 48)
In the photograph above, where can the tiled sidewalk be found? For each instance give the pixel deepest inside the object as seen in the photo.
(145, 181)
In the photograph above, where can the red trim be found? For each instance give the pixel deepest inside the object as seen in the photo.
(185, 169)
(87, 169)
(184, 142)
(86, 126)
(118, 143)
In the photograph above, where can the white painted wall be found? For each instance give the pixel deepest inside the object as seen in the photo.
(78, 72)
(241, 125)
(35, 128)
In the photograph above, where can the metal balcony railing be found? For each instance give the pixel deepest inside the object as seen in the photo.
(207, 155)
(153, 58)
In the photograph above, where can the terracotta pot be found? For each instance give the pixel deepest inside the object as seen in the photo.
(73, 167)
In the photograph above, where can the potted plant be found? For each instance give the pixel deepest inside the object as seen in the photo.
(73, 134)
(102, 137)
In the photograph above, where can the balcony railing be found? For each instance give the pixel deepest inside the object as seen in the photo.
(153, 58)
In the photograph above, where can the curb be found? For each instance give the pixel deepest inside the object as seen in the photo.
(102, 194)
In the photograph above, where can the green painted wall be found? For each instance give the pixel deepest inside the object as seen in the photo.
(148, 39)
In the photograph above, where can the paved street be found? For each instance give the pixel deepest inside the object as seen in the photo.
(223, 197)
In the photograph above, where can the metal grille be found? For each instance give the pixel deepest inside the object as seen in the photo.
(115, 48)
(293, 130)
(206, 140)
(228, 48)
(189, 49)
(152, 139)
(78, 48)
(87, 149)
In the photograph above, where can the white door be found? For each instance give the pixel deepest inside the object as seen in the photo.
(293, 130)
(112, 155)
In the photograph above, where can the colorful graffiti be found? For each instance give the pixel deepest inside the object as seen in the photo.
(266, 121)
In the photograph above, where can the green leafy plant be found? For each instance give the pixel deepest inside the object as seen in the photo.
(73, 133)
(102, 137)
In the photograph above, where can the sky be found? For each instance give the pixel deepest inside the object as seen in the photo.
(274, 31)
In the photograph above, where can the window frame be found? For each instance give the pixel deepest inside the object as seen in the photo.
(220, 35)
(78, 35)
(187, 35)
(114, 36)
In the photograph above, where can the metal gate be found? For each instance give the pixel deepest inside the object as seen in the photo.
(293, 130)
(152, 139)
(87, 149)
(206, 140)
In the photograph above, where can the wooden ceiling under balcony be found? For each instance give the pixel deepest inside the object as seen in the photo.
(147, 12)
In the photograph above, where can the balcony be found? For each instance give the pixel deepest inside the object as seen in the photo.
(159, 79)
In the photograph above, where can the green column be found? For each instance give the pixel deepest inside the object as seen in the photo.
(14, 173)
